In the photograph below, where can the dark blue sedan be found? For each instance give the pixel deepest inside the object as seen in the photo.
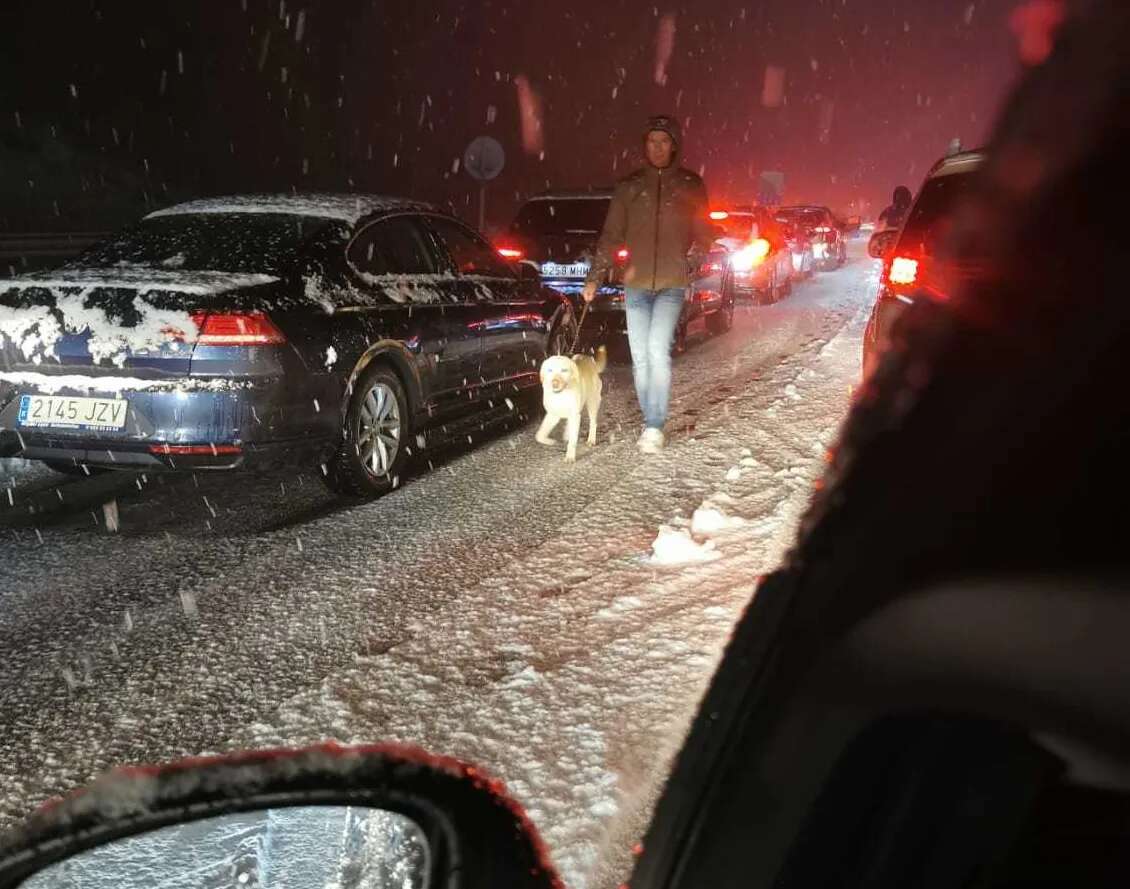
(343, 331)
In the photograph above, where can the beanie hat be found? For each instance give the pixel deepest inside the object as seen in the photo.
(665, 124)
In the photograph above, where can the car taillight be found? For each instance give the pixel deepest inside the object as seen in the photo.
(209, 450)
(510, 253)
(751, 255)
(903, 271)
(719, 215)
(236, 329)
(622, 254)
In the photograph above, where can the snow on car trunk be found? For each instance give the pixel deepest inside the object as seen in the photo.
(101, 321)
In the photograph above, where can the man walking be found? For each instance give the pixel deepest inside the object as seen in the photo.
(658, 213)
(893, 216)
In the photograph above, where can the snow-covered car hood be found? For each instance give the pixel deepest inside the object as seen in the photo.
(349, 208)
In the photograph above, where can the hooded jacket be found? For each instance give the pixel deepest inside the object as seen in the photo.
(658, 215)
(893, 215)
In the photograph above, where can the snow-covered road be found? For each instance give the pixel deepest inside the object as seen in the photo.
(501, 608)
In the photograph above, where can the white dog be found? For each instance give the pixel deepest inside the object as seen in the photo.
(569, 386)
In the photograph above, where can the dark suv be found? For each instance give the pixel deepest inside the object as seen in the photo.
(557, 233)
(912, 266)
(823, 229)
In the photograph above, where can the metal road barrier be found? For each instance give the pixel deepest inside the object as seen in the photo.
(32, 251)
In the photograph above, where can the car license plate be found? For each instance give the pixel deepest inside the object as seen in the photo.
(565, 270)
(65, 412)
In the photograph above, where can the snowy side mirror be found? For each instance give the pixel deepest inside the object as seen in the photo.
(528, 271)
(882, 244)
(321, 816)
(311, 845)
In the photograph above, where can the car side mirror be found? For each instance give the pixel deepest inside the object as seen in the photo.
(528, 271)
(326, 815)
(882, 244)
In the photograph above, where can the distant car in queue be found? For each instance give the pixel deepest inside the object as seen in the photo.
(556, 234)
(913, 269)
(823, 230)
(760, 265)
(342, 331)
(799, 245)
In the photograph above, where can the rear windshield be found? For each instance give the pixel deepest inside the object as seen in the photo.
(565, 216)
(803, 217)
(736, 225)
(237, 242)
(932, 214)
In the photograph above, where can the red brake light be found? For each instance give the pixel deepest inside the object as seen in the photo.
(719, 215)
(903, 271)
(753, 254)
(211, 450)
(622, 254)
(510, 253)
(236, 329)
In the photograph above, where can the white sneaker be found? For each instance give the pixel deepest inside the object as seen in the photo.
(651, 442)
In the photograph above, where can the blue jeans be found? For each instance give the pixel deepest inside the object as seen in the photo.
(652, 317)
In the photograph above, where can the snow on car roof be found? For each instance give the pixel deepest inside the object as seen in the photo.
(140, 278)
(958, 163)
(586, 194)
(344, 207)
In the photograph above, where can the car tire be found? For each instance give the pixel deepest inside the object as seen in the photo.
(729, 295)
(777, 291)
(562, 337)
(679, 346)
(766, 295)
(373, 449)
(721, 321)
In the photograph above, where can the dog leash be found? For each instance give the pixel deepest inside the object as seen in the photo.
(580, 324)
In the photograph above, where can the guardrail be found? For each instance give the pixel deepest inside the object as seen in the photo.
(29, 251)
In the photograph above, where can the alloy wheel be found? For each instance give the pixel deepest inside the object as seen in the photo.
(379, 430)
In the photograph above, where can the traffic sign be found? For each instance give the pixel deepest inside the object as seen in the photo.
(484, 158)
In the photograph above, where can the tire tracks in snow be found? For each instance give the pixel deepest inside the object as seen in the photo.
(552, 684)
(202, 642)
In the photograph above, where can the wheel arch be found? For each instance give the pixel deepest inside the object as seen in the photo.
(396, 357)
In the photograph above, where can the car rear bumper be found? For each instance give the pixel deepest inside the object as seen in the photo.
(217, 427)
(141, 457)
(877, 335)
(606, 318)
(752, 282)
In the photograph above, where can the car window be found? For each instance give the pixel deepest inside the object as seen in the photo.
(932, 214)
(396, 246)
(737, 225)
(470, 254)
(564, 216)
(229, 242)
(804, 216)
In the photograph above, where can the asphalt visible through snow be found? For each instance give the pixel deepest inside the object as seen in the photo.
(142, 619)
